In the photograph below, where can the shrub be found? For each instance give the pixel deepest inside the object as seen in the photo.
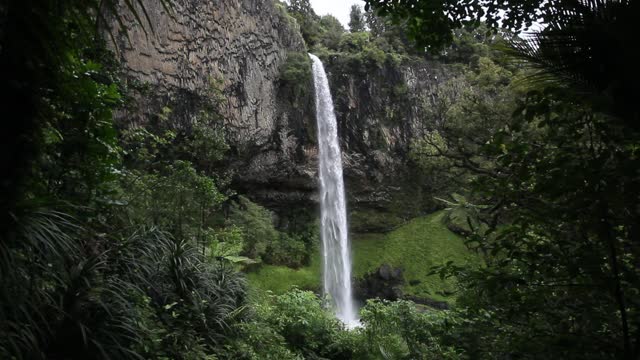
(297, 68)
(257, 226)
(354, 42)
(296, 75)
(331, 32)
(399, 330)
(288, 250)
(255, 340)
(299, 317)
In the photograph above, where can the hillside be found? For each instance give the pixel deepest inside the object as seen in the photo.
(414, 247)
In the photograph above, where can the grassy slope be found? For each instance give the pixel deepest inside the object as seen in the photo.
(279, 279)
(415, 247)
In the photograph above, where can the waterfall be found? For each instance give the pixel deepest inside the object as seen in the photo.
(335, 241)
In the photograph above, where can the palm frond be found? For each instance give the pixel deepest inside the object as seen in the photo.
(587, 49)
(50, 233)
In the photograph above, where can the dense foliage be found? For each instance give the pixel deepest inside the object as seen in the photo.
(551, 163)
(114, 248)
(123, 240)
(108, 257)
(356, 19)
(370, 41)
(295, 326)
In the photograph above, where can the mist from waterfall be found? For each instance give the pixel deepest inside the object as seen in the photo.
(336, 252)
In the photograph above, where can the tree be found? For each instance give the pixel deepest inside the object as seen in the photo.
(301, 7)
(464, 114)
(331, 31)
(79, 280)
(356, 19)
(257, 226)
(376, 24)
(309, 22)
(431, 23)
(585, 50)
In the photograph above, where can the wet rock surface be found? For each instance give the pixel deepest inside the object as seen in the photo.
(383, 283)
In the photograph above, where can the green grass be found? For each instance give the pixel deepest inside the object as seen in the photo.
(415, 247)
(280, 279)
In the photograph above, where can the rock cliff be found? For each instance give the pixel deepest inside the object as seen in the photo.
(380, 110)
(202, 52)
(234, 50)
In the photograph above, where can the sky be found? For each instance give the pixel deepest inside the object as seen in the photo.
(337, 8)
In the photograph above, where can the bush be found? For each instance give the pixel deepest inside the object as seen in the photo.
(297, 68)
(263, 242)
(354, 42)
(307, 328)
(289, 250)
(361, 52)
(296, 75)
(331, 32)
(255, 340)
(257, 227)
(398, 330)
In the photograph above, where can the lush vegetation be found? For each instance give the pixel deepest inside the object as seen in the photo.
(532, 147)
(371, 41)
(125, 240)
(295, 325)
(280, 279)
(415, 248)
(551, 183)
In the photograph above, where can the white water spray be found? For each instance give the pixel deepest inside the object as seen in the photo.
(335, 241)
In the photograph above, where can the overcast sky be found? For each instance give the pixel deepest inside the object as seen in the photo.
(337, 8)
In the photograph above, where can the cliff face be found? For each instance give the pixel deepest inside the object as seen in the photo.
(238, 45)
(227, 53)
(234, 50)
(381, 110)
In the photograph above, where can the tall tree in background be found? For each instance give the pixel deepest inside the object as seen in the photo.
(301, 7)
(309, 22)
(376, 24)
(331, 31)
(356, 19)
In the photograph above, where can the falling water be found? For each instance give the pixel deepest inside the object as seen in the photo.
(335, 242)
